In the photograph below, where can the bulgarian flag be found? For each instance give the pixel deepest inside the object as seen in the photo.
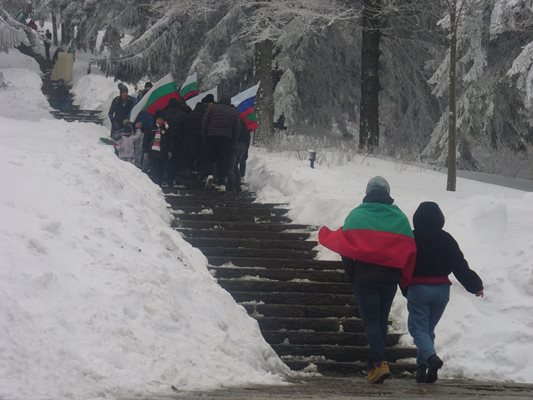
(190, 87)
(198, 98)
(157, 98)
(375, 233)
(245, 105)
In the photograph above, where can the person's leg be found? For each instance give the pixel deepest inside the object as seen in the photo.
(369, 306)
(387, 294)
(441, 295)
(419, 307)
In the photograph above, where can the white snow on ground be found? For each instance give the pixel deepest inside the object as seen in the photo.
(489, 338)
(22, 98)
(99, 297)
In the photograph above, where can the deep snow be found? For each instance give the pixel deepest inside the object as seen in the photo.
(100, 298)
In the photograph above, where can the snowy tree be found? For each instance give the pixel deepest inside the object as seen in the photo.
(12, 33)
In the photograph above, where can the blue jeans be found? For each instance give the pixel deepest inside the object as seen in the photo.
(426, 304)
(374, 300)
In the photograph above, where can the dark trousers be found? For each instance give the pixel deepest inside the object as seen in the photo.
(47, 51)
(157, 169)
(219, 152)
(239, 151)
(374, 301)
(242, 163)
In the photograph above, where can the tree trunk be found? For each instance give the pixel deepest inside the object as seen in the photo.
(369, 115)
(265, 95)
(452, 112)
(54, 28)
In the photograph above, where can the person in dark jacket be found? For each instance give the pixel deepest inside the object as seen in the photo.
(174, 115)
(438, 255)
(159, 146)
(378, 252)
(47, 43)
(192, 140)
(120, 108)
(147, 87)
(221, 126)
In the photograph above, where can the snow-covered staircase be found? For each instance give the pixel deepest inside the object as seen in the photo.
(67, 111)
(304, 307)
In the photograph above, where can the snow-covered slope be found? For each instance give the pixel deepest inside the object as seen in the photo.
(491, 338)
(99, 297)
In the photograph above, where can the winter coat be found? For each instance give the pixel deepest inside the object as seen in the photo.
(438, 253)
(221, 120)
(160, 142)
(376, 242)
(120, 110)
(128, 145)
(192, 132)
(174, 116)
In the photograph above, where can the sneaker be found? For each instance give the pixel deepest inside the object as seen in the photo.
(434, 364)
(209, 182)
(421, 373)
(379, 373)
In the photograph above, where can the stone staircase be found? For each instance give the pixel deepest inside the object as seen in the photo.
(304, 307)
(69, 111)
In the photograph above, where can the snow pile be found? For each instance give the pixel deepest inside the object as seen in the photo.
(100, 297)
(491, 338)
(20, 95)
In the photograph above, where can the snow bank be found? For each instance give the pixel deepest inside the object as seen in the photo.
(491, 338)
(21, 96)
(100, 297)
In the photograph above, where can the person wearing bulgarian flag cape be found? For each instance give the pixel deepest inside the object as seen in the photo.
(378, 252)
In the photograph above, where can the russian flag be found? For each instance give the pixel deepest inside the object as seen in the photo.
(245, 105)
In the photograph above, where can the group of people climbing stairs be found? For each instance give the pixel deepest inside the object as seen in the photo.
(305, 307)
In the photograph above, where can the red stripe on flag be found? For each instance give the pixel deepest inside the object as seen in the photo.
(374, 247)
(162, 102)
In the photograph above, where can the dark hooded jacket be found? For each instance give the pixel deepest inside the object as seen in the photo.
(438, 253)
(221, 119)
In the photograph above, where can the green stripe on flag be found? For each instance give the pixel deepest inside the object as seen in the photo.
(163, 91)
(378, 217)
(252, 117)
(189, 88)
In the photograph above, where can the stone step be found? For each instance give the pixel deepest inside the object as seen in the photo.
(207, 194)
(218, 201)
(340, 353)
(301, 310)
(325, 299)
(240, 226)
(332, 368)
(310, 324)
(276, 263)
(206, 233)
(317, 338)
(258, 253)
(284, 274)
(245, 210)
(232, 218)
(252, 243)
(282, 286)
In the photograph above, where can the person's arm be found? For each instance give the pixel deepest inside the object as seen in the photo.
(460, 268)
(111, 112)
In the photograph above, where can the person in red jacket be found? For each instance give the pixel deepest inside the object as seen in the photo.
(378, 252)
(438, 255)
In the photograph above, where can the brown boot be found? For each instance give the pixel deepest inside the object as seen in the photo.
(379, 373)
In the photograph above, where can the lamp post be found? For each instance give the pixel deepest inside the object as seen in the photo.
(311, 156)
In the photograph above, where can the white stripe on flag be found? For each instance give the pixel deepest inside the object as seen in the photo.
(239, 98)
(141, 105)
